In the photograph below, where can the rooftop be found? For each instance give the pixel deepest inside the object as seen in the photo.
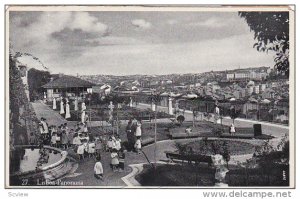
(67, 81)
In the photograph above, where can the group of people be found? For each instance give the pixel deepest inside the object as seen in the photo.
(84, 144)
(64, 106)
(134, 134)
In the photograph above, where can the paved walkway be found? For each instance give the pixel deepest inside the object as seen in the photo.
(52, 117)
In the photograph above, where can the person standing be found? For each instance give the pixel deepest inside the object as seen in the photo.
(64, 140)
(98, 169)
(80, 151)
(76, 140)
(44, 129)
(130, 135)
(118, 143)
(121, 159)
(114, 160)
(138, 131)
(232, 129)
(138, 145)
(45, 126)
(98, 146)
(70, 138)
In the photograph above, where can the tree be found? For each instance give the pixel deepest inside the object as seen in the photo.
(36, 79)
(271, 30)
(180, 119)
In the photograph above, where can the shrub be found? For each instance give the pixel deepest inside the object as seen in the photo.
(180, 119)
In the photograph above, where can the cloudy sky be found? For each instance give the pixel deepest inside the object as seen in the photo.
(122, 43)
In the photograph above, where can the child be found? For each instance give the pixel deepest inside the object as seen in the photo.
(64, 140)
(232, 129)
(114, 160)
(138, 130)
(109, 144)
(98, 146)
(98, 169)
(114, 145)
(85, 129)
(86, 136)
(85, 144)
(138, 145)
(53, 140)
(118, 142)
(58, 136)
(104, 143)
(76, 140)
(70, 138)
(91, 149)
(121, 159)
(65, 127)
(80, 151)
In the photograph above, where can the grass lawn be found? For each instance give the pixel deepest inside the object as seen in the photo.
(147, 131)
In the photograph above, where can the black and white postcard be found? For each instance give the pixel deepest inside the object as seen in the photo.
(150, 96)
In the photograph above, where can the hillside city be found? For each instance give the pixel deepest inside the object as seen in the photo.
(249, 86)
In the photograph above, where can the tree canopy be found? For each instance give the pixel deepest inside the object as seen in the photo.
(271, 30)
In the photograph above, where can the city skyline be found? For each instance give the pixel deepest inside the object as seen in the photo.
(122, 43)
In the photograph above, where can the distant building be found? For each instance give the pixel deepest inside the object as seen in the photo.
(247, 74)
(68, 85)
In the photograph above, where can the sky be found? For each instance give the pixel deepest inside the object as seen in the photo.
(127, 43)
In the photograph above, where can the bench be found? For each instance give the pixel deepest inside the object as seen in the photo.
(147, 141)
(188, 157)
(189, 135)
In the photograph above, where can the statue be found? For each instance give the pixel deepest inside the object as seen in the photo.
(221, 170)
(68, 115)
(76, 104)
(54, 104)
(62, 109)
(83, 116)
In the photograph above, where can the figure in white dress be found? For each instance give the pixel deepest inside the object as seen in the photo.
(83, 107)
(62, 109)
(68, 115)
(130, 103)
(217, 115)
(76, 104)
(54, 104)
(232, 130)
(138, 131)
(83, 116)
